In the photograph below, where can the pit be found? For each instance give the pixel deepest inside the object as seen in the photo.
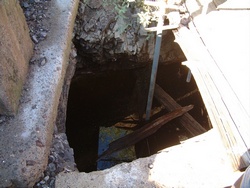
(107, 98)
(109, 90)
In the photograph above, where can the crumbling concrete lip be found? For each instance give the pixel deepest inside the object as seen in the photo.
(25, 139)
(198, 162)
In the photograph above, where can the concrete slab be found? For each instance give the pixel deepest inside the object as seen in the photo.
(25, 140)
(16, 49)
(198, 162)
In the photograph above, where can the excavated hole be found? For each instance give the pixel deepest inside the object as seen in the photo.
(106, 98)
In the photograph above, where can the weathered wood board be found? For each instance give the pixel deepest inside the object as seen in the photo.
(144, 131)
(187, 121)
(218, 56)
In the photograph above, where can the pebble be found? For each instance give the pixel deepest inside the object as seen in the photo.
(52, 167)
(150, 166)
(34, 39)
(46, 178)
(25, 4)
(42, 182)
(43, 34)
(42, 61)
(51, 159)
(2, 119)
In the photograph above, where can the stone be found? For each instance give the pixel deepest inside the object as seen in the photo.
(52, 167)
(104, 35)
(16, 48)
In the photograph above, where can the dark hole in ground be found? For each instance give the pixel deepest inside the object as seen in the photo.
(103, 99)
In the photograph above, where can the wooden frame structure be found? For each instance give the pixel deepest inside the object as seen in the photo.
(225, 110)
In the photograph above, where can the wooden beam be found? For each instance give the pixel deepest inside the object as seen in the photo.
(187, 95)
(161, 4)
(165, 27)
(144, 131)
(187, 121)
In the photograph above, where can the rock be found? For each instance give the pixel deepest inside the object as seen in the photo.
(51, 167)
(16, 49)
(43, 61)
(95, 4)
(34, 39)
(103, 35)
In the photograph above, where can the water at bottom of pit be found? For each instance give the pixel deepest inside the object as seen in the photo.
(104, 99)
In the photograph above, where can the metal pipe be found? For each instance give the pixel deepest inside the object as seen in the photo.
(155, 64)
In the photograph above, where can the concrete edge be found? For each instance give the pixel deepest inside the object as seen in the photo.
(25, 139)
(198, 162)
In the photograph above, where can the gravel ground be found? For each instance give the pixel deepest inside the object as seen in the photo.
(61, 156)
(35, 12)
(60, 159)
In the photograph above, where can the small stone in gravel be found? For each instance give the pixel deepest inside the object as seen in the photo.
(34, 39)
(52, 167)
(43, 61)
(46, 178)
(2, 119)
(51, 159)
(150, 166)
(42, 182)
(43, 34)
(25, 4)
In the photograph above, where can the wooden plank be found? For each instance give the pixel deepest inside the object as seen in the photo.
(165, 27)
(218, 2)
(144, 132)
(162, 4)
(187, 95)
(234, 5)
(233, 61)
(216, 111)
(234, 131)
(187, 121)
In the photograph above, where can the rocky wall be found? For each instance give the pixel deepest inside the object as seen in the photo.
(16, 49)
(101, 35)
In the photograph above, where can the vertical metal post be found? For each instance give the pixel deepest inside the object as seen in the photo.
(155, 63)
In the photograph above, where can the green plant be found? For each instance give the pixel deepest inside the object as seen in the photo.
(121, 7)
(147, 15)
